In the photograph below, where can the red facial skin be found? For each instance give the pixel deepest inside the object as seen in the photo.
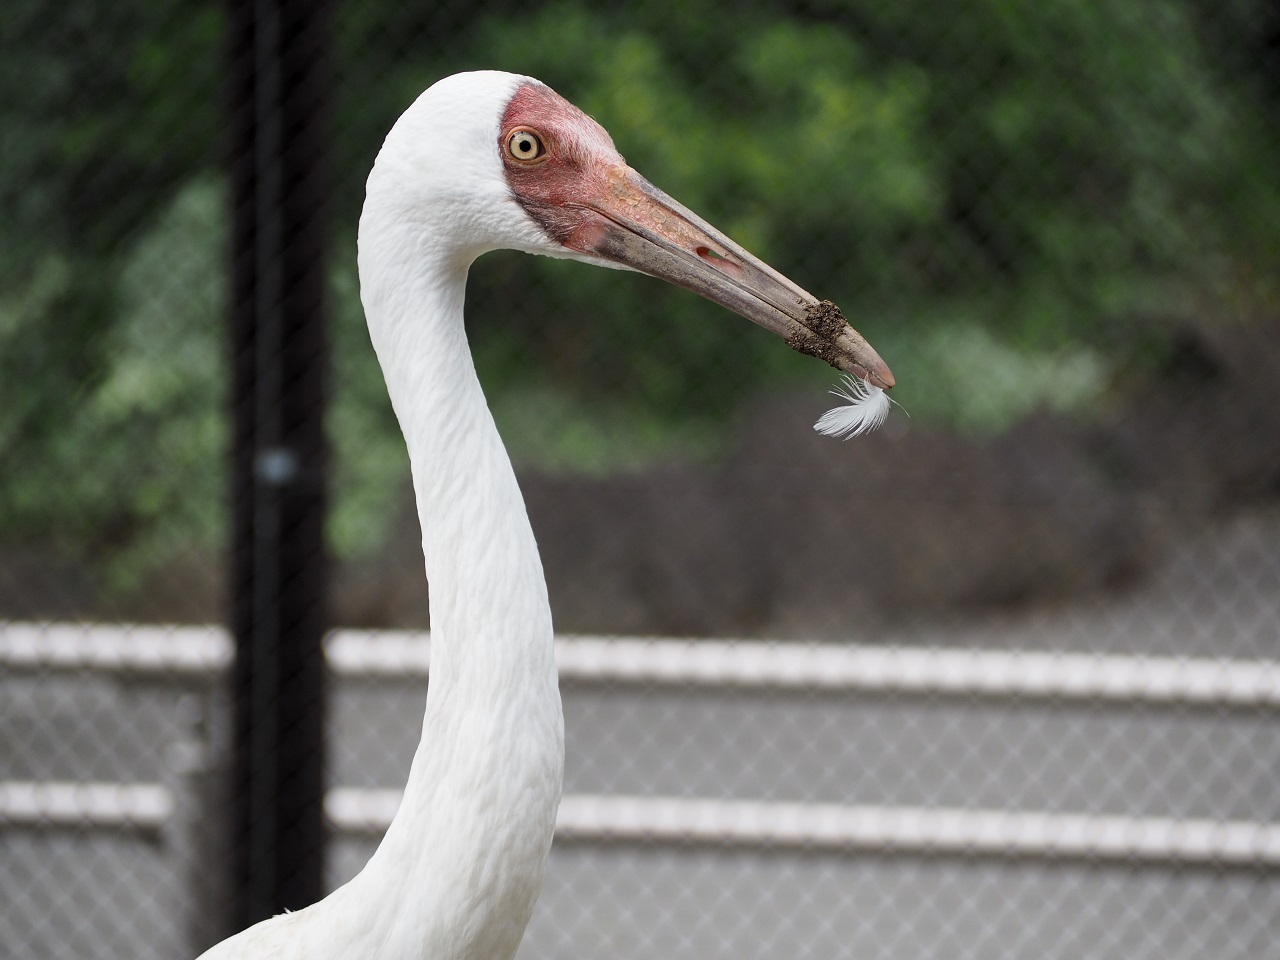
(578, 163)
(581, 180)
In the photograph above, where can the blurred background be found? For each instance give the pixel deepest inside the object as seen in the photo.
(1058, 222)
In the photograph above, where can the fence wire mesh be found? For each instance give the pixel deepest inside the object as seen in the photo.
(1058, 222)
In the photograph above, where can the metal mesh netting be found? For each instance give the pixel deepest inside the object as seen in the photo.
(998, 680)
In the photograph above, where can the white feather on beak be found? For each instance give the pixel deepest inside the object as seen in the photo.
(865, 410)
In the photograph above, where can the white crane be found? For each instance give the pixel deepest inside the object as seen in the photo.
(483, 161)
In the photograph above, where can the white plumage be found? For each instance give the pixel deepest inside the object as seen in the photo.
(482, 161)
(865, 410)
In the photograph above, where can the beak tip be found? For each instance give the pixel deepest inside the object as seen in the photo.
(827, 323)
(883, 377)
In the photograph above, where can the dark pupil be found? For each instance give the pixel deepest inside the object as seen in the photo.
(524, 145)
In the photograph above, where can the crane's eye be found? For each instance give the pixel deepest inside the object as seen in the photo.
(524, 145)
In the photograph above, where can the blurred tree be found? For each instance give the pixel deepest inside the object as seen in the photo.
(107, 113)
(1008, 179)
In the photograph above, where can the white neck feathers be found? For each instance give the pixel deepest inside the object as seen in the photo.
(469, 844)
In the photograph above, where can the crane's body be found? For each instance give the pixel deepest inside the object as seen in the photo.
(483, 161)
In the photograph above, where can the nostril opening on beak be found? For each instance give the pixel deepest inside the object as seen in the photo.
(716, 258)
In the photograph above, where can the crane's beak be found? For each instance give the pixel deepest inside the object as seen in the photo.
(639, 226)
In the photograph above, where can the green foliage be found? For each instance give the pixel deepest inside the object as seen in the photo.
(134, 464)
(980, 383)
(106, 108)
(994, 192)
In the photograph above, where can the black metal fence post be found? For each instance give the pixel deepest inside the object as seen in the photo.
(278, 89)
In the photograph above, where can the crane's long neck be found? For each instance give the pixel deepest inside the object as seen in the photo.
(462, 863)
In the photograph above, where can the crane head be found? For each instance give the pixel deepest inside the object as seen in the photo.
(563, 189)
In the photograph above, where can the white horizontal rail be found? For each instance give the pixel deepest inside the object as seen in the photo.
(920, 830)
(206, 651)
(97, 805)
(733, 823)
(168, 650)
(1004, 673)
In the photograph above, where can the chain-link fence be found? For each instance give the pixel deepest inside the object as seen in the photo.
(998, 680)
